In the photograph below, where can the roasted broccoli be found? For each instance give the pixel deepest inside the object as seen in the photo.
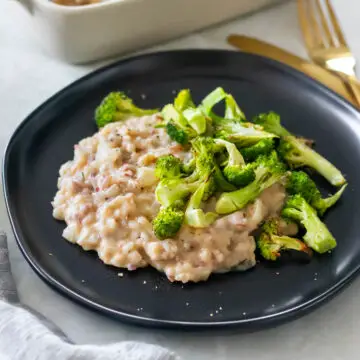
(176, 190)
(194, 214)
(184, 104)
(271, 246)
(215, 97)
(242, 134)
(118, 107)
(318, 236)
(236, 171)
(200, 185)
(263, 147)
(272, 242)
(268, 171)
(300, 183)
(177, 134)
(177, 125)
(196, 119)
(232, 110)
(232, 126)
(183, 100)
(280, 226)
(296, 152)
(271, 122)
(167, 222)
(168, 166)
(189, 166)
(204, 148)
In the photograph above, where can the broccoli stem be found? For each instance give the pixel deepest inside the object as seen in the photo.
(236, 200)
(318, 236)
(232, 201)
(232, 110)
(309, 157)
(194, 215)
(212, 99)
(235, 157)
(323, 204)
(169, 113)
(172, 191)
(183, 100)
(196, 119)
(271, 246)
(221, 181)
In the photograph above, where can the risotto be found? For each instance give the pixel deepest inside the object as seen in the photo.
(106, 198)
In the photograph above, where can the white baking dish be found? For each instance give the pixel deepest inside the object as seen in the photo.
(86, 33)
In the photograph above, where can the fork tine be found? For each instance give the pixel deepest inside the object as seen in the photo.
(304, 24)
(336, 24)
(324, 24)
(315, 24)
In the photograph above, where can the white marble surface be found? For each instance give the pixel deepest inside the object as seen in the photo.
(28, 76)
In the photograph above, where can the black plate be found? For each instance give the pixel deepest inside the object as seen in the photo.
(261, 297)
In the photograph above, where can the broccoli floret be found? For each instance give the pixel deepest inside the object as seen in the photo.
(300, 183)
(241, 133)
(176, 125)
(232, 110)
(263, 147)
(194, 116)
(189, 166)
(236, 129)
(194, 215)
(204, 148)
(167, 222)
(239, 176)
(221, 182)
(268, 171)
(173, 192)
(176, 190)
(236, 171)
(118, 107)
(296, 152)
(318, 236)
(272, 242)
(170, 113)
(177, 134)
(168, 166)
(280, 226)
(271, 122)
(271, 246)
(183, 100)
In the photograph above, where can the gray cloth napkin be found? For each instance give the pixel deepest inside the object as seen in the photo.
(27, 335)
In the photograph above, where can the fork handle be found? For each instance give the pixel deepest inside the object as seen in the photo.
(353, 86)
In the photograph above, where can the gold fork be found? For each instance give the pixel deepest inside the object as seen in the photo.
(326, 43)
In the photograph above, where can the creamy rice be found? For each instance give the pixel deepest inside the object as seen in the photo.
(106, 197)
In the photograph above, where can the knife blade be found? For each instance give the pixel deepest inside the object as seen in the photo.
(259, 47)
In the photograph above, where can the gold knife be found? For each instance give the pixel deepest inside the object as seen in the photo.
(256, 46)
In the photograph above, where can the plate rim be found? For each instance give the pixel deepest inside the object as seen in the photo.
(148, 321)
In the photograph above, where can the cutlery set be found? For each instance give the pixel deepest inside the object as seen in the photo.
(332, 62)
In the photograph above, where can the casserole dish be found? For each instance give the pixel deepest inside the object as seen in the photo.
(80, 34)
